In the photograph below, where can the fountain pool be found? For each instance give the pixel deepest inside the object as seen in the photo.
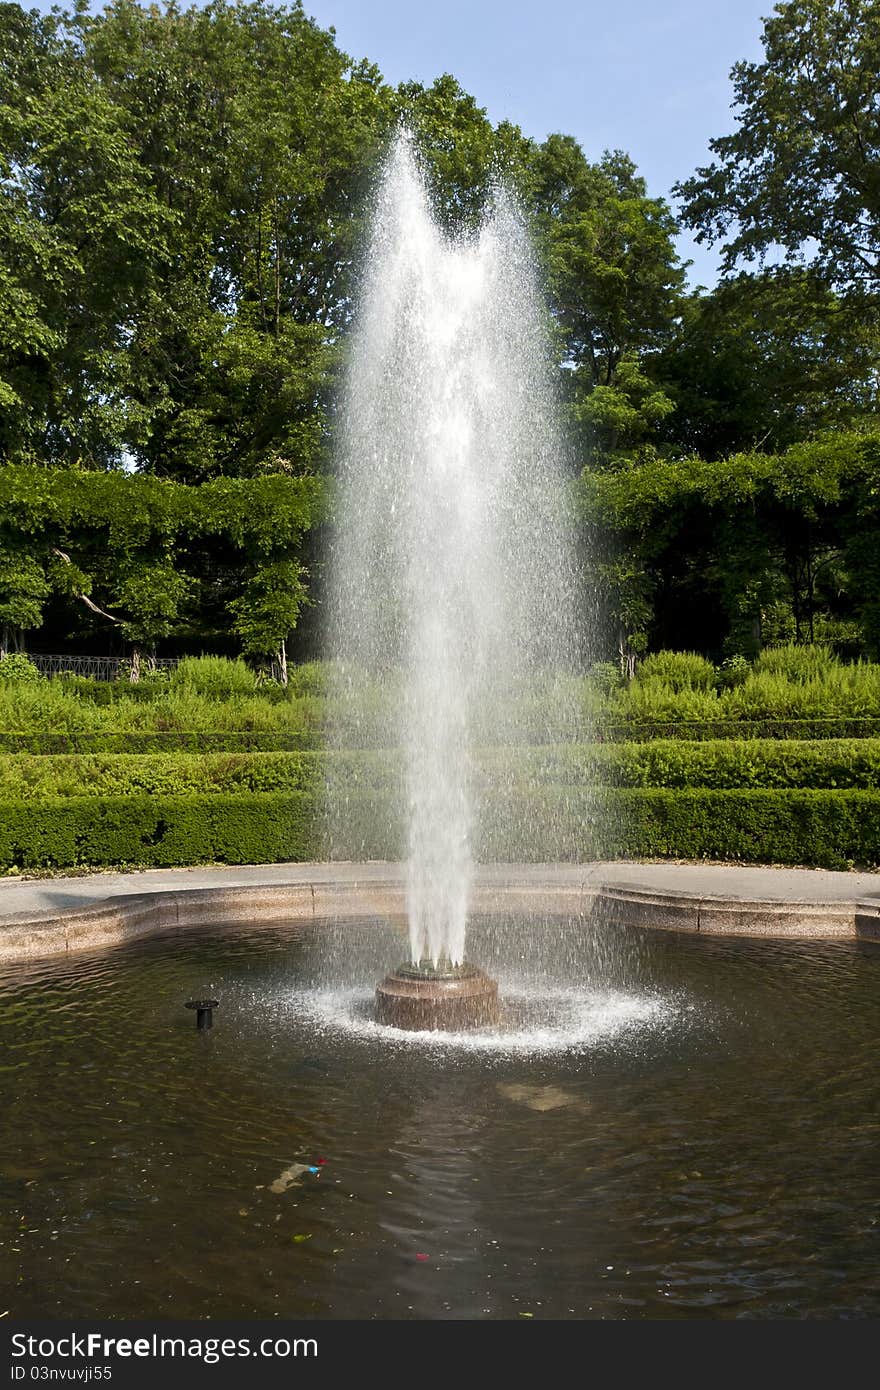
(681, 1127)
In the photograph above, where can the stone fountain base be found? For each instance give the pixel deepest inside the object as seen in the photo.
(446, 997)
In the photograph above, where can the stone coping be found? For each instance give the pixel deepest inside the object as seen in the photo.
(51, 917)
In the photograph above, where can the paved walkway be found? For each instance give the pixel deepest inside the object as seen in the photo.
(23, 898)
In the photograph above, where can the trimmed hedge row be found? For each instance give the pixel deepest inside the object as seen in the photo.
(160, 741)
(705, 729)
(832, 763)
(161, 831)
(271, 741)
(720, 763)
(832, 829)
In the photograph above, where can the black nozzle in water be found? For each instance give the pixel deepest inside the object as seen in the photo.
(204, 1011)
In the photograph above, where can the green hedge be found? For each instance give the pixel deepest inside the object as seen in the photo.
(831, 763)
(128, 774)
(160, 831)
(833, 829)
(160, 741)
(272, 741)
(638, 731)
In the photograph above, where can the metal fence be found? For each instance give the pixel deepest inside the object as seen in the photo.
(99, 668)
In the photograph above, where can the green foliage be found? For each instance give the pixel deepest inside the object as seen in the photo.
(834, 829)
(829, 829)
(269, 606)
(802, 171)
(763, 361)
(162, 831)
(153, 595)
(743, 534)
(614, 280)
(23, 588)
(312, 678)
(462, 154)
(677, 670)
(733, 671)
(718, 764)
(606, 676)
(213, 677)
(158, 774)
(799, 664)
(139, 546)
(17, 669)
(164, 741)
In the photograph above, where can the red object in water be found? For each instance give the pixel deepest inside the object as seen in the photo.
(321, 1161)
(423, 1257)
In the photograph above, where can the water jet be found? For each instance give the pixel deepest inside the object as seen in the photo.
(452, 603)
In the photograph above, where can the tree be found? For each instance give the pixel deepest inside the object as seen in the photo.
(719, 544)
(138, 555)
(23, 591)
(463, 153)
(764, 361)
(614, 280)
(233, 355)
(802, 171)
(79, 229)
(268, 609)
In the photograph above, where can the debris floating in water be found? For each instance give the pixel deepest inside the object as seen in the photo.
(290, 1177)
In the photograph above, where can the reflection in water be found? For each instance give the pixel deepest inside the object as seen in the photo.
(714, 1155)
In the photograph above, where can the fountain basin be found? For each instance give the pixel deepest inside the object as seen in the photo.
(445, 998)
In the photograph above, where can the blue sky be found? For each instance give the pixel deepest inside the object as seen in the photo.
(647, 76)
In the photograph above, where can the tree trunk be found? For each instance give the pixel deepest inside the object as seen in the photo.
(282, 663)
(626, 656)
(134, 674)
(11, 639)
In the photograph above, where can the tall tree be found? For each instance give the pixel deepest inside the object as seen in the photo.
(802, 170)
(259, 134)
(80, 231)
(764, 361)
(615, 281)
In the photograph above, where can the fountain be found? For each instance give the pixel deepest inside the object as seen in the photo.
(452, 573)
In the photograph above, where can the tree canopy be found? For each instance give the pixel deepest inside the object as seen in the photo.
(802, 170)
(184, 192)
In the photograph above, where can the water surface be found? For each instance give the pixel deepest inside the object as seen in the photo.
(689, 1130)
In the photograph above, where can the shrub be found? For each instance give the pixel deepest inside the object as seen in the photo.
(166, 742)
(18, 669)
(677, 671)
(655, 700)
(833, 829)
(606, 676)
(733, 671)
(214, 677)
(796, 662)
(310, 678)
(161, 831)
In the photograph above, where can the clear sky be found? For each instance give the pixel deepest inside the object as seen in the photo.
(647, 76)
